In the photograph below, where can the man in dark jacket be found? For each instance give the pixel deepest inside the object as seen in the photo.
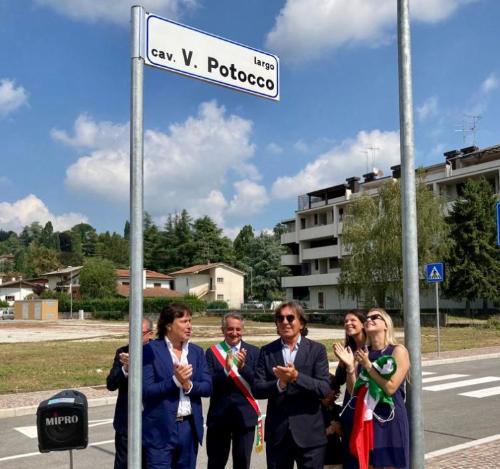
(292, 373)
(233, 412)
(118, 379)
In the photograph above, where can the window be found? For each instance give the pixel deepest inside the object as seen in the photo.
(157, 285)
(125, 283)
(321, 300)
(333, 262)
(302, 223)
(220, 279)
(220, 297)
(315, 218)
(10, 298)
(316, 264)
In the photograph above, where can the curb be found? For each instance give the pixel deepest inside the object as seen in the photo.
(31, 410)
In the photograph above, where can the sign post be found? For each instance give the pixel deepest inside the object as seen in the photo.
(177, 48)
(434, 273)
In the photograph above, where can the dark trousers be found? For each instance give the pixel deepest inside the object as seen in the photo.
(121, 452)
(286, 452)
(219, 441)
(180, 452)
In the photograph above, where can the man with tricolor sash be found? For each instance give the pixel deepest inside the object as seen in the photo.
(234, 414)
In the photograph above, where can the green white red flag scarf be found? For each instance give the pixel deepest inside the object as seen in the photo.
(220, 351)
(369, 394)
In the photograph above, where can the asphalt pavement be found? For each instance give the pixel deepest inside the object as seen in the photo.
(461, 416)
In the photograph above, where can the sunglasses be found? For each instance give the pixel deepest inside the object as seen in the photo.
(374, 317)
(289, 318)
(147, 332)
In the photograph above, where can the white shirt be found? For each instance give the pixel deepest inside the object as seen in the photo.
(184, 408)
(288, 356)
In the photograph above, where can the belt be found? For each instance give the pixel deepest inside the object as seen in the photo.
(182, 418)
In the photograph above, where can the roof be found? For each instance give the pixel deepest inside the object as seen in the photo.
(66, 270)
(20, 283)
(124, 290)
(196, 269)
(149, 274)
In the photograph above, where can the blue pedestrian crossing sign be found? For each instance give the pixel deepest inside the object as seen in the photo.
(434, 272)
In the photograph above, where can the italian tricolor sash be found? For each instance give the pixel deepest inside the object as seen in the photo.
(368, 394)
(220, 351)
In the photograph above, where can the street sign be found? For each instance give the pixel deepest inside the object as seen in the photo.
(498, 223)
(434, 273)
(188, 51)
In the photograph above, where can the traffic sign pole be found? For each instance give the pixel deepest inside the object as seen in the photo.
(437, 320)
(134, 441)
(411, 294)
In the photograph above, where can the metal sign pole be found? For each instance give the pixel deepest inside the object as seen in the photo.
(411, 294)
(136, 243)
(437, 320)
(70, 459)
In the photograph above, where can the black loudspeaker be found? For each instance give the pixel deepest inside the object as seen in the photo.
(62, 422)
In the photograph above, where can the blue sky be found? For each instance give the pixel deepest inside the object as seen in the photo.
(65, 93)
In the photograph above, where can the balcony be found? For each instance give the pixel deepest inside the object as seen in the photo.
(316, 232)
(331, 278)
(320, 253)
(288, 238)
(290, 259)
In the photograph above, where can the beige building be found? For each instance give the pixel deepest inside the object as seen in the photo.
(314, 234)
(154, 284)
(17, 290)
(66, 279)
(212, 282)
(42, 310)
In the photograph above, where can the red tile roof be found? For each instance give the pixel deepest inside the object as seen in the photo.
(155, 292)
(149, 274)
(201, 267)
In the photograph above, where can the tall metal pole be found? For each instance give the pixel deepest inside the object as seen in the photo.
(136, 243)
(411, 295)
(437, 320)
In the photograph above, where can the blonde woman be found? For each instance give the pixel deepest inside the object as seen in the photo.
(391, 432)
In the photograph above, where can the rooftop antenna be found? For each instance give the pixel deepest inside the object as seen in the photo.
(469, 125)
(373, 150)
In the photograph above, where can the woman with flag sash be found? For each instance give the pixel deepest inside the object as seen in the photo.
(355, 338)
(380, 435)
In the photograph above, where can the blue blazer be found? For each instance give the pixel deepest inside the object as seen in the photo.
(298, 408)
(228, 405)
(117, 380)
(161, 395)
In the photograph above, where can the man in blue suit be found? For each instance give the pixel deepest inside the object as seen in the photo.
(233, 412)
(175, 378)
(292, 373)
(118, 379)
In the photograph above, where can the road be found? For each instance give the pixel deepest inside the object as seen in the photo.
(461, 404)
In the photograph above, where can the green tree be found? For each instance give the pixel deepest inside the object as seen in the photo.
(40, 259)
(243, 242)
(31, 233)
(372, 270)
(84, 239)
(113, 247)
(98, 278)
(48, 238)
(209, 244)
(473, 261)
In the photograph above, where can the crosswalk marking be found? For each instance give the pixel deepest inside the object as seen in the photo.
(425, 373)
(461, 384)
(480, 393)
(433, 379)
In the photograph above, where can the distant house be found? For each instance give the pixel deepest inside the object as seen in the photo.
(18, 290)
(211, 282)
(65, 280)
(154, 284)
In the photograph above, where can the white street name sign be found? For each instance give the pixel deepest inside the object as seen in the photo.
(188, 51)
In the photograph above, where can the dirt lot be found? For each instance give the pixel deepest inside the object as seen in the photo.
(68, 329)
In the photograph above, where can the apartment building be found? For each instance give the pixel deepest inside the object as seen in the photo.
(313, 237)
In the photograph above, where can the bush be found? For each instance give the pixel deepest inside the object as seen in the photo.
(3, 304)
(219, 304)
(493, 322)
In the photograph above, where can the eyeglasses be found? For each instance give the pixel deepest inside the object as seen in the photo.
(374, 317)
(147, 332)
(289, 318)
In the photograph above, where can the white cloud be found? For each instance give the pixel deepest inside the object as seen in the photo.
(306, 29)
(490, 84)
(185, 167)
(429, 108)
(15, 216)
(274, 148)
(91, 135)
(301, 146)
(250, 198)
(12, 97)
(346, 160)
(115, 11)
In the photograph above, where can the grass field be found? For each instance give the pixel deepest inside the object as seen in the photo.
(65, 364)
